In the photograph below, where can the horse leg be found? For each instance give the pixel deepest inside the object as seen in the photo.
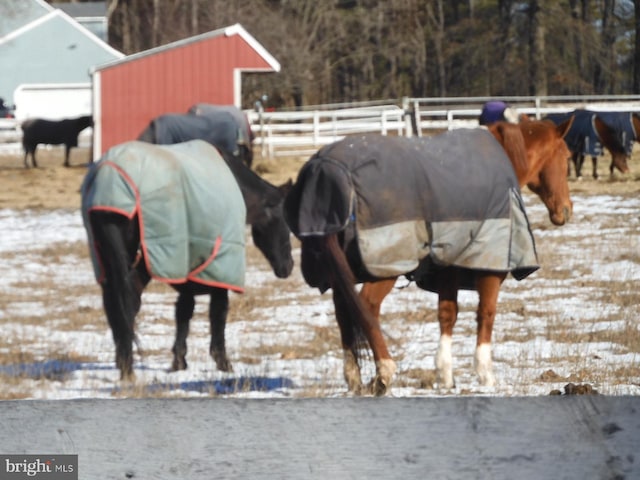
(385, 366)
(488, 286)
(594, 164)
(67, 150)
(573, 160)
(447, 316)
(372, 295)
(578, 160)
(184, 311)
(218, 310)
(351, 366)
(31, 152)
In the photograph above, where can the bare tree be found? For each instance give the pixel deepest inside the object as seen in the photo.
(636, 49)
(537, 64)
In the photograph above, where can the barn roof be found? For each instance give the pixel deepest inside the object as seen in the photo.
(236, 29)
(67, 55)
(16, 13)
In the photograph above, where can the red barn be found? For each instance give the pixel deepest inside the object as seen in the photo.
(129, 93)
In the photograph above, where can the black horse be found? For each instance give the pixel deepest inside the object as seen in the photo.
(219, 128)
(52, 132)
(128, 252)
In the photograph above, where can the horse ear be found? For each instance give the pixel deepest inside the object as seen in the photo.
(564, 127)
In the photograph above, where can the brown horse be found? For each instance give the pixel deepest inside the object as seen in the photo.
(538, 156)
(594, 132)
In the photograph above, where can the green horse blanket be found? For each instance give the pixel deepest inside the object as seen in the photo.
(188, 204)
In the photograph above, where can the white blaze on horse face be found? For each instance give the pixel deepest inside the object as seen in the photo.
(484, 365)
(444, 362)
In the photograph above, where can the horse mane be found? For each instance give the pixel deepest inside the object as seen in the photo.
(248, 179)
(512, 140)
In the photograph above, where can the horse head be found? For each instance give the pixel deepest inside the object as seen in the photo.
(149, 133)
(270, 232)
(548, 156)
(539, 156)
(610, 140)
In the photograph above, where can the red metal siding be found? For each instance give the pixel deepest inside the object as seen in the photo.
(133, 92)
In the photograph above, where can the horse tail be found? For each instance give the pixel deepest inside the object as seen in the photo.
(511, 138)
(121, 287)
(356, 318)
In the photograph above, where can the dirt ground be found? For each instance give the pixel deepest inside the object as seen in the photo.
(51, 185)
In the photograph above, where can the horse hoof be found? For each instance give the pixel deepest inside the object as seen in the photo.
(127, 377)
(381, 384)
(178, 365)
(224, 365)
(379, 387)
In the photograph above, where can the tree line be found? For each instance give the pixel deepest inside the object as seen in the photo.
(338, 51)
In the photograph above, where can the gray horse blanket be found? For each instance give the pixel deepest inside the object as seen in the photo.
(219, 113)
(449, 200)
(583, 137)
(219, 130)
(188, 204)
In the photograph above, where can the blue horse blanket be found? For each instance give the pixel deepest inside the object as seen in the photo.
(583, 137)
(622, 124)
(409, 204)
(188, 204)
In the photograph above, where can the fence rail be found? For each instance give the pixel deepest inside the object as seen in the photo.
(302, 132)
(295, 133)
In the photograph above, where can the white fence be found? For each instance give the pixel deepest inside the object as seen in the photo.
(302, 132)
(292, 133)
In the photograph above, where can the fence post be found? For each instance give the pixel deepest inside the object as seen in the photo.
(406, 108)
(316, 127)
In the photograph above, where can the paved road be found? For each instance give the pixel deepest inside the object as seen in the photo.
(557, 437)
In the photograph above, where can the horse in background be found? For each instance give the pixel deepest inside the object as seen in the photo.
(590, 134)
(364, 193)
(176, 214)
(244, 134)
(217, 126)
(52, 132)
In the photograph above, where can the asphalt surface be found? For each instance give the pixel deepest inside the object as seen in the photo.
(589, 436)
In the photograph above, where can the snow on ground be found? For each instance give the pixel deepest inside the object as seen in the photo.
(556, 326)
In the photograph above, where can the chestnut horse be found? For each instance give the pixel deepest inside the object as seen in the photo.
(539, 157)
(591, 133)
